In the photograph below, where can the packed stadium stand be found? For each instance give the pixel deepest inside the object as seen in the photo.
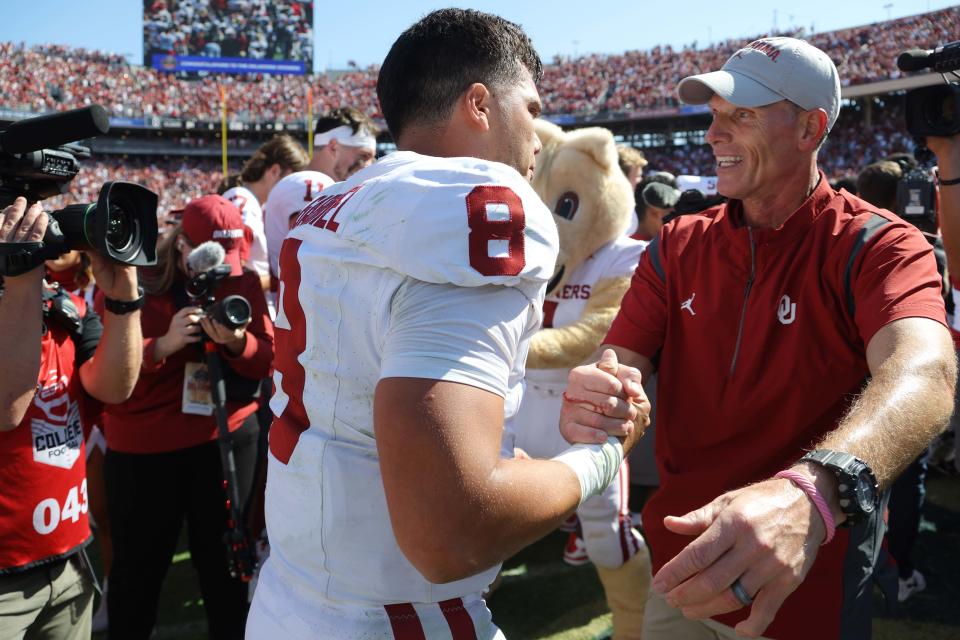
(159, 119)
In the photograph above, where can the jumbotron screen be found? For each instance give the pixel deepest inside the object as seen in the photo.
(228, 36)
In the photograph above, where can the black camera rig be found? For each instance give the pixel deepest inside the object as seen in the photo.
(934, 110)
(38, 159)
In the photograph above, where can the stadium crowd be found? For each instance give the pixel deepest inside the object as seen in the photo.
(849, 148)
(61, 78)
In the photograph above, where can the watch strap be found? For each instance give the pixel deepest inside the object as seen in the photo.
(947, 183)
(121, 307)
(847, 469)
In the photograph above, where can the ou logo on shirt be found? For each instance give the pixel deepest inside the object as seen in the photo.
(786, 311)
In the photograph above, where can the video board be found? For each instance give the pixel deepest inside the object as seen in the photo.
(228, 36)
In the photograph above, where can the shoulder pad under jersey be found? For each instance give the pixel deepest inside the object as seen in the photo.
(461, 221)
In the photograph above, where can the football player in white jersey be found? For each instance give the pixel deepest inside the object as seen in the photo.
(408, 296)
(287, 198)
(345, 141)
(276, 158)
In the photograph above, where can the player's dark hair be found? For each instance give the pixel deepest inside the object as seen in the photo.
(346, 116)
(433, 62)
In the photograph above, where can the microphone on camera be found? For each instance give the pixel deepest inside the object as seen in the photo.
(54, 130)
(206, 256)
(943, 59)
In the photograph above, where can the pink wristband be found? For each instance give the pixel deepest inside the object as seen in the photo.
(811, 490)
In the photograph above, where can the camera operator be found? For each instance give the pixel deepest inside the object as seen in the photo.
(73, 272)
(46, 586)
(163, 459)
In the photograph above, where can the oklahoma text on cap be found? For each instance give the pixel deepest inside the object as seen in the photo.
(767, 71)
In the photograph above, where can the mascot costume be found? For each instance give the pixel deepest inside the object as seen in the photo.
(578, 177)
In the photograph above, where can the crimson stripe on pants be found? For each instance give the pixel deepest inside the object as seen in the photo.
(404, 621)
(461, 624)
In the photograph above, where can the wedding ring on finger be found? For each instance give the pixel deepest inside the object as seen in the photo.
(740, 593)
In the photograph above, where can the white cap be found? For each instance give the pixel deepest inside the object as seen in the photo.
(291, 194)
(767, 71)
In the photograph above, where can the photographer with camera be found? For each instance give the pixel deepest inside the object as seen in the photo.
(163, 456)
(56, 352)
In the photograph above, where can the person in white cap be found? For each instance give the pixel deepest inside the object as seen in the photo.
(345, 142)
(803, 361)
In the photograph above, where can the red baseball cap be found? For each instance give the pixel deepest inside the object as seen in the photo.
(214, 217)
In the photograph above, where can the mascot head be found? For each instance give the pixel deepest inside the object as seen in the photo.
(578, 176)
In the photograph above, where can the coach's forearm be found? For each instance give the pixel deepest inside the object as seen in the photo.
(907, 402)
(20, 333)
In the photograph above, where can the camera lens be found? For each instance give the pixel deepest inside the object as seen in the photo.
(122, 228)
(236, 310)
(940, 109)
(933, 111)
(232, 311)
(121, 237)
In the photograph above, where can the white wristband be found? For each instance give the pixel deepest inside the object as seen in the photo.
(596, 465)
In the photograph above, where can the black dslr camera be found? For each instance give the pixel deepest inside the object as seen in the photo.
(933, 111)
(233, 311)
(38, 159)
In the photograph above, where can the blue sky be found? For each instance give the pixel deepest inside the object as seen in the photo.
(362, 30)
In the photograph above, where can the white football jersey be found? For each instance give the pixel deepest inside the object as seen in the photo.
(253, 218)
(563, 306)
(415, 266)
(287, 198)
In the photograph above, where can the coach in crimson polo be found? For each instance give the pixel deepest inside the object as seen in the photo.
(791, 319)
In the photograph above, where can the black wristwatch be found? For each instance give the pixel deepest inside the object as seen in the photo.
(120, 307)
(857, 486)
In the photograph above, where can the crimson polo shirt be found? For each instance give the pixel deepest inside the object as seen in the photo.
(761, 337)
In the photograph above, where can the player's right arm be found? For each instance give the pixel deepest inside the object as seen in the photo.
(456, 508)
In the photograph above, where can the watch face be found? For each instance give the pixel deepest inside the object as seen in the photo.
(866, 492)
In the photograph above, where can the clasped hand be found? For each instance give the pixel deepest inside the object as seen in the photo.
(604, 399)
